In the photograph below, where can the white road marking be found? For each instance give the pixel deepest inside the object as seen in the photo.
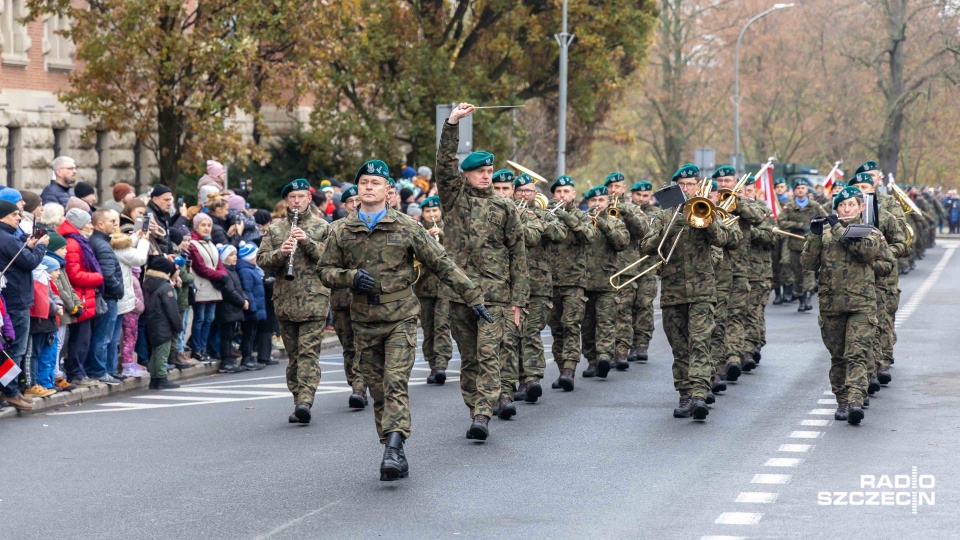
(822, 412)
(293, 522)
(815, 423)
(738, 518)
(758, 497)
(904, 313)
(723, 538)
(805, 434)
(798, 448)
(771, 478)
(783, 462)
(826, 402)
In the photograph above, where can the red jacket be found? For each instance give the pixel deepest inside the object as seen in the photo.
(84, 282)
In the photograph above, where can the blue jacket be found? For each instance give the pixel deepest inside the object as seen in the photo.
(109, 265)
(54, 192)
(18, 294)
(251, 276)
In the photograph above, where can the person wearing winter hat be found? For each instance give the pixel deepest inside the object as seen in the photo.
(47, 307)
(79, 219)
(72, 306)
(251, 279)
(83, 271)
(79, 204)
(31, 203)
(208, 269)
(12, 195)
(132, 250)
(122, 192)
(216, 177)
(230, 311)
(163, 323)
(86, 193)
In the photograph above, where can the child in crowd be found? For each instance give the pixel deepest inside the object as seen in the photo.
(162, 317)
(132, 250)
(184, 288)
(251, 277)
(44, 321)
(230, 310)
(72, 305)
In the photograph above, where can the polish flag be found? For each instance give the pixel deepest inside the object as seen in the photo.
(765, 186)
(828, 183)
(8, 371)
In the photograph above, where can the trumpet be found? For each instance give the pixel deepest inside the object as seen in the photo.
(521, 205)
(296, 220)
(612, 210)
(557, 204)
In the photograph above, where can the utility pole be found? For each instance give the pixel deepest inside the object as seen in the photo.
(563, 39)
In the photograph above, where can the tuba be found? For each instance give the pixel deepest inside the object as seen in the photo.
(540, 201)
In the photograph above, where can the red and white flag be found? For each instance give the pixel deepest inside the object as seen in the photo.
(828, 183)
(8, 371)
(765, 186)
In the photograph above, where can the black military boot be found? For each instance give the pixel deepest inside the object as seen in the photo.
(874, 387)
(747, 363)
(632, 355)
(556, 384)
(590, 372)
(534, 391)
(699, 409)
(621, 364)
(357, 400)
(808, 304)
(478, 429)
(756, 355)
(801, 304)
(521, 393)
(718, 385)
(394, 464)
(685, 409)
(154, 382)
(841, 413)
(603, 367)
(441, 377)
(854, 414)
(432, 377)
(302, 413)
(788, 294)
(566, 380)
(778, 298)
(711, 399)
(505, 409)
(642, 354)
(884, 377)
(731, 372)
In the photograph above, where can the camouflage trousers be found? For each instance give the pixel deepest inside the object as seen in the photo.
(534, 320)
(757, 330)
(775, 261)
(435, 321)
(302, 342)
(739, 309)
(848, 338)
(643, 324)
(689, 328)
(386, 352)
(624, 319)
(510, 357)
(888, 302)
(802, 280)
(566, 315)
(344, 329)
(718, 352)
(600, 325)
(479, 345)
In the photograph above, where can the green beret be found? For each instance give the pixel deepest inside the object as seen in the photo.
(861, 178)
(431, 202)
(503, 176)
(714, 186)
(476, 160)
(848, 192)
(614, 177)
(642, 186)
(724, 170)
(374, 167)
(523, 179)
(750, 181)
(560, 182)
(800, 182)
(391, 182)
(300, 184)
(867, 166)
(779, 181)
(687, 171)
(351, 191)
(596, 191)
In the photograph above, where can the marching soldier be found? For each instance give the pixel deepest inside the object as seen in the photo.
(637, 225)
(434, 311)
(532, 360)
(340, 301)
(796, 218)
(762, 242)
(569, 262)
(723, 277)
(485, 237)
(372, 252)
(848, 298)
(643, 324)
(688, 297)
(600, 316)
(779, 271)
(301, 304)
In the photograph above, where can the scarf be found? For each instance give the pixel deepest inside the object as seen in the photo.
(371, 220)
(782, 198)
(802, 203)
(89, 260)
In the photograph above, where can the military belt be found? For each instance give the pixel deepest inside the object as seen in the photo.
(377, 299)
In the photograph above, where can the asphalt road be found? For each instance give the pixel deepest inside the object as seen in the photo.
(217, 459)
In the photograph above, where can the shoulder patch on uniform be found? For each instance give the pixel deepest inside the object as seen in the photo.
(170, 294)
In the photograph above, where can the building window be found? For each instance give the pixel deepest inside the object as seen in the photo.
(14, 156)
(101, 147)
(137, 166)
(13, 36)
(59, 142)
(58, 51)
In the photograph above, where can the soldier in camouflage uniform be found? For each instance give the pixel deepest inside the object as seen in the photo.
(762, 242)
(532, 359)
(723, 277)
(795, 218)
(688, 297)
(779, 270)
(372, 252)
(434, 311)
(484, 236)
(340, 300)
(637, 225)
(569, 262)
(302, 304)
(600, 316)
(848, 299)
(643, 324)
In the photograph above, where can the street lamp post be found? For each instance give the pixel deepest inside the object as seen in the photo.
(563, 39)
(736, 83)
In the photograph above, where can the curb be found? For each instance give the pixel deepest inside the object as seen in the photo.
(90, 393)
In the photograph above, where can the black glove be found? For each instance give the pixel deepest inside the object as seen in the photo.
(480, 311)
(833, 219)
(363, 282)
(816, 225)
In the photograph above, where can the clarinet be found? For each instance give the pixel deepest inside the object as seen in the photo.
(289, 276)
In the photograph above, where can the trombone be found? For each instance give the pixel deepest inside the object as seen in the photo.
(663, 259)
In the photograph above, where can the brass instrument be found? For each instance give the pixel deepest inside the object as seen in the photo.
(911, 236)
(727, 198)
(905, 201)
(612, 210)
(521, 204)
(654, 267)
(778, 230)
(556, 206)
(700, 211)
(521, 168)
(593, 214)
(540, 201)
(296, 220)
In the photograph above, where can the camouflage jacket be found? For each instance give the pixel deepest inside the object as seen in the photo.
(762, 242)
(797, 220)
(539, 269)
(895, 238)
(722, 273)
(689, 276)
(637, 224)
(387, 253)
(847, 281)
(483, 234)
(296, 300)
(741, 255)
(604, 252)
(428, 286)
(568, 258)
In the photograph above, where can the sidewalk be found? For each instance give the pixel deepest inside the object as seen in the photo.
(82, 394)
